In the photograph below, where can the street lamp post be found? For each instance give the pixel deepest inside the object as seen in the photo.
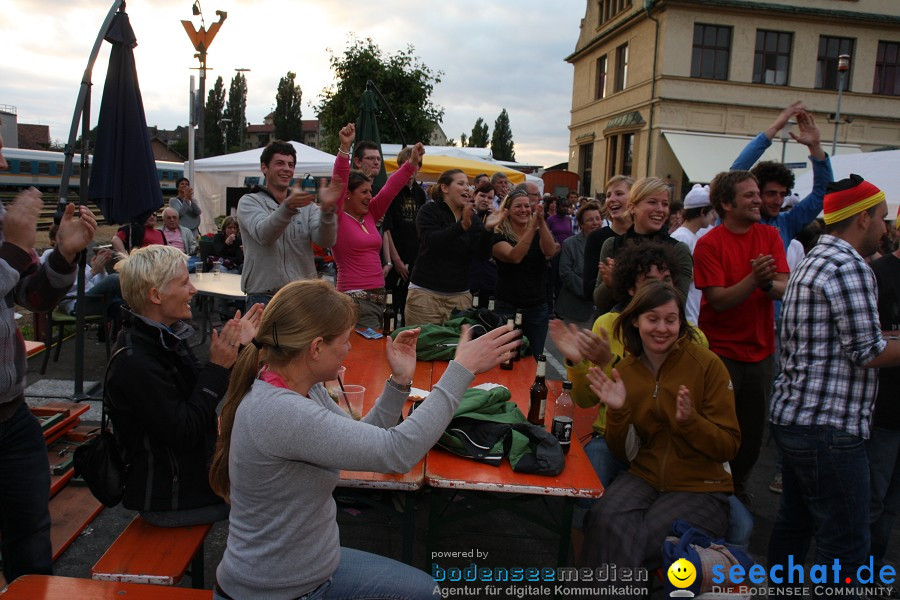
(202, 39)
(243, 125)
(843, 67)
(223, 125)
(785, 136)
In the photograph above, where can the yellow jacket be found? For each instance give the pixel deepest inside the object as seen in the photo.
(678, 457)
(577, 373)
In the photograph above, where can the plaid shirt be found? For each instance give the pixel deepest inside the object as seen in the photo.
(830, 330)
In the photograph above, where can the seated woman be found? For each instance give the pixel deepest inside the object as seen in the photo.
(162, 400)
(451, 237)
(678, 397)
(134, 235)
(648, 203)
(357, 251)
(226, 246)
(284, 441)
(522, 246)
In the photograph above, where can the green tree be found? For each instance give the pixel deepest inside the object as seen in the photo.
(463, 140)
(479, 137)
(236, 111)
(405, 82)
(214, 112)
(502, 146)
(287, 117)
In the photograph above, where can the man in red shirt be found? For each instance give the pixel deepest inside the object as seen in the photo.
(740, 267)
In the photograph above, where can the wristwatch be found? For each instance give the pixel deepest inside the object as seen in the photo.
(399, 386)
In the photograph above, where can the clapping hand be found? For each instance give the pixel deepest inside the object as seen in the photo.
(610, 391)
(489, 350)
(249, 323)
(401, 355)
(683, 406)
(75, 234)
(495, 218)
(606, 271)
(328, 195)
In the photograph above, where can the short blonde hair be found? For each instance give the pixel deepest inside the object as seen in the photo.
(146, 268)
(644, 188)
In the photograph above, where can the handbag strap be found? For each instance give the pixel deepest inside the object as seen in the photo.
(104, 417)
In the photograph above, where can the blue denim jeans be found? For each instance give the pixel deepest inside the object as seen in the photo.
(884, 471)
(535, 323)
(252, 299)
(365, 576)
(826, 497)
(24, 497)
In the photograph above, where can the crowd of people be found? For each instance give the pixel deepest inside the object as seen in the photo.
(692, 325)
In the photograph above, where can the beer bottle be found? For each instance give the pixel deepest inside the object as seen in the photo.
(491, 304)
(507, 364)
(475, 299)
(518, 323)
(389, 317)
(538, 393)
(564, 418)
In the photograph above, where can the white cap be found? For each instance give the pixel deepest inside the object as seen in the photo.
(791, 201)
(698, 197)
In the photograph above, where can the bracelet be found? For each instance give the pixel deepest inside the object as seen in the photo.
(347, 154)
(399, 386)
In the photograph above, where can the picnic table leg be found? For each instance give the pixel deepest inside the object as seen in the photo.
(197, 570)
(433, 521)
(409, 524)
(565, 532)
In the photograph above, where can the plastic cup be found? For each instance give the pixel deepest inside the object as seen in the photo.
(351, 396)
(216, 268)
(199, 270)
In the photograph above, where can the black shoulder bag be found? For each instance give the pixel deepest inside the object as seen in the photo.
(99, 460)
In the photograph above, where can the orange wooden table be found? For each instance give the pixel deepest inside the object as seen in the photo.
(367, 366)
(48, 587)
(447, 471)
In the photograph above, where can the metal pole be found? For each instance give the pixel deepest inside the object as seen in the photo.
(843, 67)
(201, 116)
(192, 122)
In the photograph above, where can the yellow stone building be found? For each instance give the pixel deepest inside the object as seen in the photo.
(675, 88)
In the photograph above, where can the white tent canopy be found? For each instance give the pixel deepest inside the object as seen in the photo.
(213, 175)
(880, 168)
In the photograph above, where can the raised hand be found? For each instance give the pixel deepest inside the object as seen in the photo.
(298, 198)
(683, 406)
(249, 323)
(20, 221)
(782, 119)
(565, 338)
(401, 355)
(611, 392)
(488, 351)
(606, 271)
(223, 347)
(75, 234)
(594, 347)
(328, 195)
(346, 135)
(418, 151)
(809, 134)
(495, 218)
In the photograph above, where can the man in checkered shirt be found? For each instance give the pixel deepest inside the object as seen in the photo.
(832, 346)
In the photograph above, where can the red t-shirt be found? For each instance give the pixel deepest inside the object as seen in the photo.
(151, 236)
(721, 259)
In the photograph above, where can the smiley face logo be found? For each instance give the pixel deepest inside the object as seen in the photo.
(682, 573)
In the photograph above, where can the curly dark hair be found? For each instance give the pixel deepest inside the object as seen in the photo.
(637, 258)
(771, 170)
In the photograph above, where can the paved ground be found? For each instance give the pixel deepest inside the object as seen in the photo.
(369, 530)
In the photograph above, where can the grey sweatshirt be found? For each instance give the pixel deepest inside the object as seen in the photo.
(277, 240)
(286, 452)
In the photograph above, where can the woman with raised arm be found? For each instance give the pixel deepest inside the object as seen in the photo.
(678, 397)
(284, 441)
(357, 251)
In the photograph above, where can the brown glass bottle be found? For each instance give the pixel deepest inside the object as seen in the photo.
(518, 324)
(538, 393)
(389, 316)
(507, 364)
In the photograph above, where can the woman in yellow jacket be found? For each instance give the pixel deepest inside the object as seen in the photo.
(678, 397)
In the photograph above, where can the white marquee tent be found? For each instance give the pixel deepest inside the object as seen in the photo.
(213, 175)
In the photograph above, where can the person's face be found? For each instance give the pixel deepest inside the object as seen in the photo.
(534, 195)
(773, 195)
(591, 221)
(484, 200)
(231, 229)
(659, 327)
(501, 186)
(151, 220)
(875, 230)
(3, 164)
(651, 213)
(551, 208)
(520, 211)
(370, 163)
(183, 188)
(710, 219)
(170, 220)
(572, 198)
(675, 220)
(279, 171)
(617, 199)
(332, 355)
(175, 298)
(654, 274)
(456, 192)
(358, 200)
(746, 208)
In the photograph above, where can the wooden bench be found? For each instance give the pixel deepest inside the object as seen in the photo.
(71, 510)
(32, 348)
(48, 587)
(144, 553)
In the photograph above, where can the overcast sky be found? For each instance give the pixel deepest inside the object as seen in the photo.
(494, 54)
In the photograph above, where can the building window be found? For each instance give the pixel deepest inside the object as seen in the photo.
(621, 68)
(887, 69)
(601, 77)
(587, 162)
(712, 50)
(620, 154)
(772, 62)
(830, 48)
(609, 9)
